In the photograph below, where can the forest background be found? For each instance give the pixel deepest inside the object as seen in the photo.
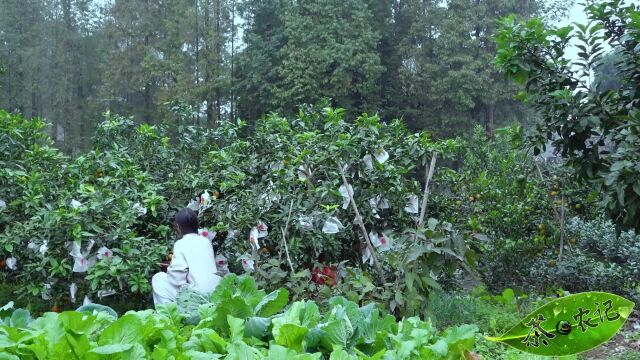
(428, 62)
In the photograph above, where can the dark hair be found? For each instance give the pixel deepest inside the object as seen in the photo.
(187, 221)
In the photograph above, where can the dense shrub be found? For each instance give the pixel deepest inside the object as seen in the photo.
(281, 177)
(602, 259)
(63, 213)
(508, 203)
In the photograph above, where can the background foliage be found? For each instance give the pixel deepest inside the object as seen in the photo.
(234, 59)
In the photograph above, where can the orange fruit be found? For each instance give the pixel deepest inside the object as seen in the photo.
(170, 256)
(56, 309)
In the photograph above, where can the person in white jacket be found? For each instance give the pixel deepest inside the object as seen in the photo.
(193, 262)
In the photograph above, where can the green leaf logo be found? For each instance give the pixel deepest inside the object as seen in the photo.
(569, 325)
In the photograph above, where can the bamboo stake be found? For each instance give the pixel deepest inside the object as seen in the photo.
(425, 197)
(362, 227)
(284, 238)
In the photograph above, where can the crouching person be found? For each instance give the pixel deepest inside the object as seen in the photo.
(193, 262)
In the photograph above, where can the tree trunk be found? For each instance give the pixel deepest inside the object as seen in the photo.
(233, 35)
(218, 60)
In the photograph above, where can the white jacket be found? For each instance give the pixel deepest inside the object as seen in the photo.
(193, 263)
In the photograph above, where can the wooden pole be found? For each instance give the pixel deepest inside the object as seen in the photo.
(362, 227)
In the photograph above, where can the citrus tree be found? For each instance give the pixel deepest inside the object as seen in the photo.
(275, 198)
(596, 131)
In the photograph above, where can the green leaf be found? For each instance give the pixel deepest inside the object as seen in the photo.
(20, 318)
(340, 354)
(337, 333)
(4, 356)
(236, 327)
(569, 325)
(257, 327)
(241, 351)
(291, 336)
(111, 349)
(126, 330)
(272, 303)
(135, 353)
(460, 340)
(205, 340)
(277, 352)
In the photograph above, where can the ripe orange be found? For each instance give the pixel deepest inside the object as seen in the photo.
(56, 309)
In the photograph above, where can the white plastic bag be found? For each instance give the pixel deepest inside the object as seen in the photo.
(73, 289)
(205, 198)
(269, 196)
(368, 161)
(86, 301)
(412, 206)
(44, 247)
(104, 253)
(222, 264)
(253, 238)
(75, 204)
(140, 210)
(207, 234)
(303, 172)
(205, 202)
(306, 223)
(247, 263)
(366, 256)
(380, 241)
(81, 263)
(46, 292)
(105, 293)
(232, 235)
(381, 155)
(194, 204)
(3, 204)
(345, 191)
(12, 263)
(332, 226)
(263, 229)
